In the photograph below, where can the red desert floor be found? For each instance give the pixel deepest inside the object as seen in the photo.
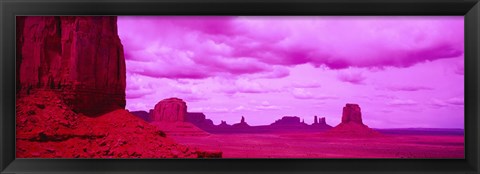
(46, 128)
(310, 145)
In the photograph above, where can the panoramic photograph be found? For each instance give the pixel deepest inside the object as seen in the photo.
(240, 87)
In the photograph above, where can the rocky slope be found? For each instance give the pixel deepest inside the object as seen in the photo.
(143, 115)
(47, 128)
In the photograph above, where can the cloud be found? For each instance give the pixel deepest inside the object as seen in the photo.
(351, 77)
(194, 98)
(187, 91)
(137, 87)
(439, 103)
(138, 106)
(210, 109)
(340, 47)
(184, 48)
(265, 105)
(269, 107)
(201, 47)
(408, 88)
(161, 69)
(133, 94)
(401, 102)
(256, 106)
(386, 96)
(386, 111)
(215, 25)
(222, 63)
(308, 84)
(275, 73)
(459, 68)
(244, 85)
(455, 101)
(237, 66)
(301, 93)
(242, 108)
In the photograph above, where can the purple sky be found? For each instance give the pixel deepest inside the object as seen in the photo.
(402, 71)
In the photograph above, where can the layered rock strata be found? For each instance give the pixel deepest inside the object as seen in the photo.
(170, 110)
(79, 57)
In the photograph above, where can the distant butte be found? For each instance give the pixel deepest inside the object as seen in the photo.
(352, 113)
(288, 121)
(170, 110)
(171, 115)
(199, 119)
(352, 124)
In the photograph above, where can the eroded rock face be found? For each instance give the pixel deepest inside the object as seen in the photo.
(170, 110)
(81, 58)
(352, 113)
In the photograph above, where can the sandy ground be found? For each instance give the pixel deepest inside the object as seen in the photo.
(310, 145)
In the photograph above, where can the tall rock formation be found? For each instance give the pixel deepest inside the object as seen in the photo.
(170, 110)
(71, 65)
(81, 58)
(242, 123)
(352, 125)
(352, 113)
(322, 121)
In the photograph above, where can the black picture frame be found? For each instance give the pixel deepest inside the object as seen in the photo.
(11, 8)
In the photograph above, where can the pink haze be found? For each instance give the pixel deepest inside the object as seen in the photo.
(403, 71)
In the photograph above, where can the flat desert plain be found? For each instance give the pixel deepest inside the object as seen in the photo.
(308, 145)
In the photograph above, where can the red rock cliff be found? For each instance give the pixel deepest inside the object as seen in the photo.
(79, 57)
